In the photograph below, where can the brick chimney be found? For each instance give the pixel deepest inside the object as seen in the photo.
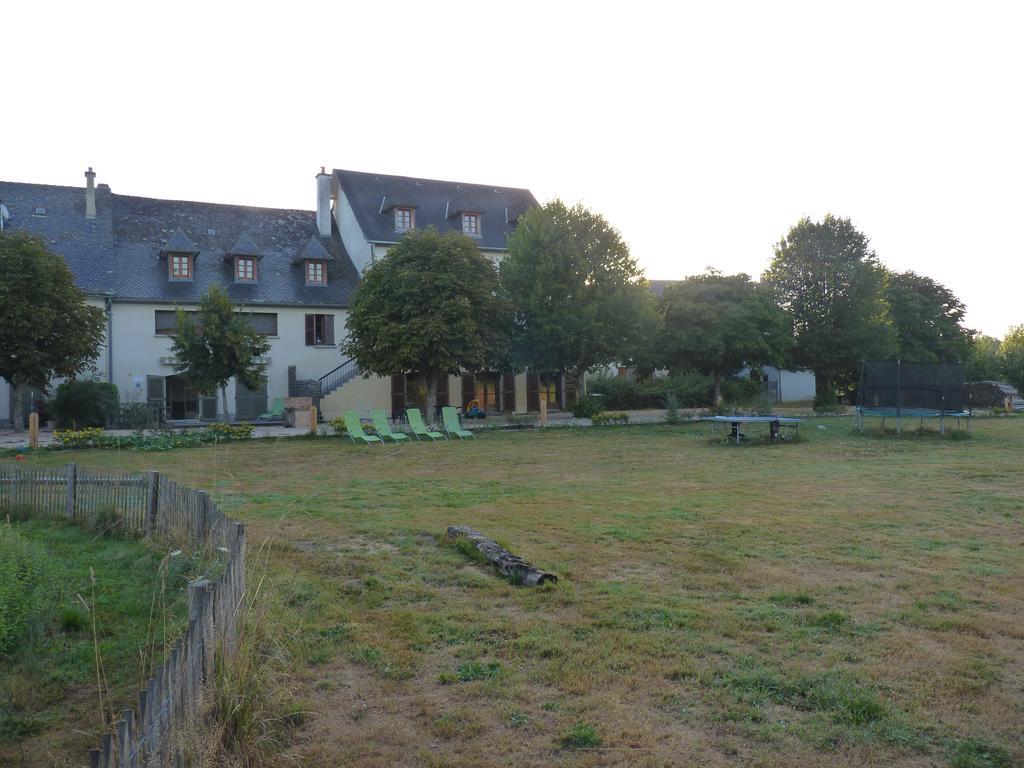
(323, 203)
(90, 194)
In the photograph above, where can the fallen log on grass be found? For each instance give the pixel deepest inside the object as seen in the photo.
(512, 566)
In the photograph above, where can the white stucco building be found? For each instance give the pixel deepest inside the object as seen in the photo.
(292, 272)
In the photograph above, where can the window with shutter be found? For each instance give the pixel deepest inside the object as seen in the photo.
(508, 392)
(532, 392)
(398, 394)
(319, 330)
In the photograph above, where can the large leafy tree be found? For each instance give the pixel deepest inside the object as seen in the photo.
(984, 362)
(47, 330)
(828, 278)
(430, 306)
(217, 344)
(1011, 353)
(718, 324)
(927, 319)
(578, 298)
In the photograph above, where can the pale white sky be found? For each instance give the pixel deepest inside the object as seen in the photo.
(701, 130)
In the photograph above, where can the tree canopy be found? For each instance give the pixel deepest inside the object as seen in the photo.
(47, 330)
(578, 297)
(717, 324)
(1011, 353)
(984, 362)
(429, 306)
(828, 278)
(927, 319)
(216, 345)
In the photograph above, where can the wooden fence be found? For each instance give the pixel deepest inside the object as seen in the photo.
(156, 732)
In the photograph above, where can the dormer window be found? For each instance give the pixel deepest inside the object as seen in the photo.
(404, 219)
(245, 269)
(180, 266)
(316, 272)
(471, 224)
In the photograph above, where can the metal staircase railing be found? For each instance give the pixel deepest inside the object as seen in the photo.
(340, 376)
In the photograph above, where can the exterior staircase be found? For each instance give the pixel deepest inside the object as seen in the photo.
(339, 377)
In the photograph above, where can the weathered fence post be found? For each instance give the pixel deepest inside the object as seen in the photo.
(71, 474)
(200, 522)
(152, 501)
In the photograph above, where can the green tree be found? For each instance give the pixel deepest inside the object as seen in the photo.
(984, 362)
(578, 298)
(218, 344)
(717, 324)
(1011, 353)
(927, 319)
(429, 306)
(47, 330)
(830, 281)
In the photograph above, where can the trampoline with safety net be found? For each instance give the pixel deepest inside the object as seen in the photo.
(898, 390)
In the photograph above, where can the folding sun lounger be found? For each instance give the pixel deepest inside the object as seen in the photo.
(276, 412)
(450, 416)
(419, 429)
(380, 423)
(354, 430)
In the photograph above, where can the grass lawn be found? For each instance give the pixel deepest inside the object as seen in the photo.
(50, 710)
(842, 600)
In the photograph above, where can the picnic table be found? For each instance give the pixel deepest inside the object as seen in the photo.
(775, 423)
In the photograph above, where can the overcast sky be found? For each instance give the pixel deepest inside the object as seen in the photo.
(703, 131)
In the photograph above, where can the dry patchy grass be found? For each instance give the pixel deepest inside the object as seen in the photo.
(844, 600)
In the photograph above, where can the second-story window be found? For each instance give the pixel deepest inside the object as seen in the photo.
(471, 223)
(245, 268)
(316, 273)
(181, 266)
(403, 219)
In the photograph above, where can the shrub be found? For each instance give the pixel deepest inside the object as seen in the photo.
(338, 425)
(136, 415)
(585, 407)
(88, 437)
(691, 389)
(606, 418)
(25, 585)
(671, 408)
(224, 431)
(85, 404)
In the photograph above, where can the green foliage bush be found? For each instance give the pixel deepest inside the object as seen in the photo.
(163, 440)
(606, 418)
(25, 586)
(671, 408)
(586, 407)
(338, 425)
(690, 389)
(224, 431)
(85, 404)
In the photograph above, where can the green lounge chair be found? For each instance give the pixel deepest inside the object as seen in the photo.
(450, 416)
(354, 430)
(276, 413)
(419, 429)
(380, 423)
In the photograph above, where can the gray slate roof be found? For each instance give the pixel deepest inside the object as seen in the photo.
(435, 203)
(118, 253)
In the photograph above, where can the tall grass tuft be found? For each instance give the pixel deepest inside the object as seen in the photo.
(26, 586)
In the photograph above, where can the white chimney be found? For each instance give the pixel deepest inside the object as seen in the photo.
(323, 203)
(90, 194)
